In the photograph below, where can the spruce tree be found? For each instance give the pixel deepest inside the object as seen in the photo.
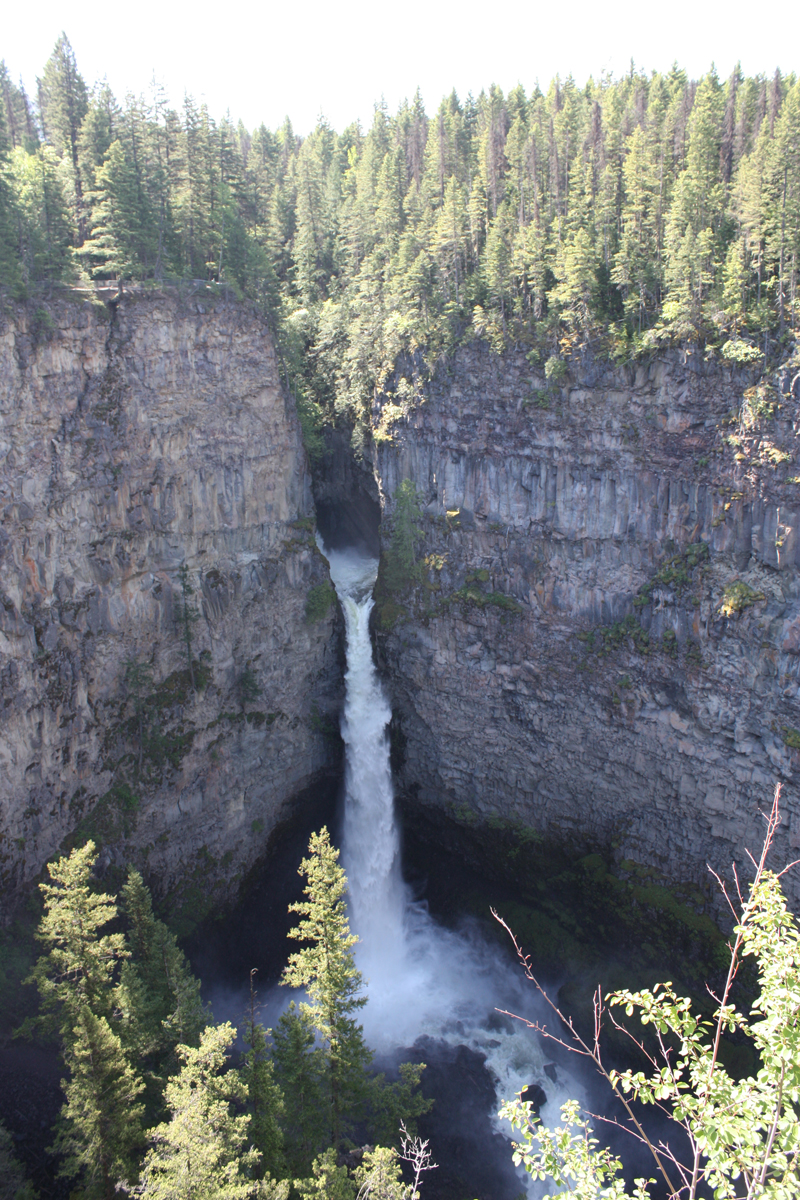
(300, 1071)
(9, 243)
(63, 103)
(379, 1176)
(45, 227)
(321, 1057)
(76, 971)
(202, 1150)
(265, 1102)
(325, 967)
(13, 1184)
(328, 1180)
(99, 1130)
(158, 997)
(124, 232)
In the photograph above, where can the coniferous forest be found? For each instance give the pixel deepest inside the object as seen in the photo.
(629, 212)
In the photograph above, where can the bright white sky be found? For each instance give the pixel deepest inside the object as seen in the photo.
(337, 57)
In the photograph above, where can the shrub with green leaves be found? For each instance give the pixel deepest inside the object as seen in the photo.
(319, 601)
(555, 369)
(743, 1134)
(742, 353)
(401, 568)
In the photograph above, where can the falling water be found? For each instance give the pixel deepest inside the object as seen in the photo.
(421, 978)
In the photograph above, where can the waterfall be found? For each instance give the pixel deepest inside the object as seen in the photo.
(421, 978)
(371, 843)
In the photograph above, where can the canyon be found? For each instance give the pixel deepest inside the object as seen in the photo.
(599, 652)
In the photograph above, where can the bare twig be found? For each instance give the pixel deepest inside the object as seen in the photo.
(415, 1152)
(691, 1175)
(582, 1048)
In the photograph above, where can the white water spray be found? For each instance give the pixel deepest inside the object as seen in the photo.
(421, 979)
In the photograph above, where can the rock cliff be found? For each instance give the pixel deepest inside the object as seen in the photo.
(603, 651)
(142, 440)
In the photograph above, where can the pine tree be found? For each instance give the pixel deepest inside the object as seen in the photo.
(99, 1131)
(325, 967)
(265, 1102)
(202, 1150)
(76, 971)
(63, 103)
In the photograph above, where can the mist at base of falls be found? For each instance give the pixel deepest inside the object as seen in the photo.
(425, 984)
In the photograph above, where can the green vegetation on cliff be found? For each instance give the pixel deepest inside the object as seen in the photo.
(636, 211)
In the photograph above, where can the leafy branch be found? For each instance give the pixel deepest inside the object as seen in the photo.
(745, 1131)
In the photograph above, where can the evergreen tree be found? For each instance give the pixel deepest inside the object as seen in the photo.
(9, 249)
(76, 971)
(300, 1070)
(321, 1058)
(100, 127)
(158, 997)
(99, 1128)
(45, 228)
(202, 1150)
(328, 1181)
(326, 969)
(124, 232)
(63, 103)
(406, 532)
(99, 1131)
(379, 1176)
(265, 1102)
(19, 119)
(13, 1184)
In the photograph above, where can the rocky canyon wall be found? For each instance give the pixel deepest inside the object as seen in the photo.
(135, 437)
(603, 651)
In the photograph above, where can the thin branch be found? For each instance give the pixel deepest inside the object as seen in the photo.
(584, 1049)
(773, 1130)
(773, 820)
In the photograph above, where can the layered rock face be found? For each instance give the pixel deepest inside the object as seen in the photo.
(138, 438)
(605, 647)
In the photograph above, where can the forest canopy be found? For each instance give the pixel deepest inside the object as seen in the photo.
(638, 211)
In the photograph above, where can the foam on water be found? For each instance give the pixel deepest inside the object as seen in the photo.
(421, 979)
